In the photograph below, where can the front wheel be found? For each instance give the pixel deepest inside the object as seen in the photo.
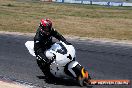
(84, 78)
(83, 81)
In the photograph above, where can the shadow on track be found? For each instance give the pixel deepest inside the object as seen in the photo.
(57, 81)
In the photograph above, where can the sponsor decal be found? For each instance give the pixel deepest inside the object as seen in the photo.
(109, 82)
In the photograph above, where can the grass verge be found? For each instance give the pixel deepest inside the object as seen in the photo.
(69, 19)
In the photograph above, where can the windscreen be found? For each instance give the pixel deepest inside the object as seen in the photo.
(62, 49)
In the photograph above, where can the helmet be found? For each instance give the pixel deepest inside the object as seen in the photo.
(46, 26)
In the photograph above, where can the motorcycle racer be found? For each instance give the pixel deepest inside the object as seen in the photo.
(63, 64)
(43, 41)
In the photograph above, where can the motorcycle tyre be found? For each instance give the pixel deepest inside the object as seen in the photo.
(83, 81)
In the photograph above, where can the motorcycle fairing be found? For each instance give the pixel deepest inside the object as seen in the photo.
(63, 53)
(30, 47)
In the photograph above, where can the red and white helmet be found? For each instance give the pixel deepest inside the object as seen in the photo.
(46, 26)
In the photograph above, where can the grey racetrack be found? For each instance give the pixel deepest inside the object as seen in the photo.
(102, 60)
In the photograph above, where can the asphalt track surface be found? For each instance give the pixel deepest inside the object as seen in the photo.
(102, 60)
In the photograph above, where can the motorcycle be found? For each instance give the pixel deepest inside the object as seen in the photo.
(63, 62)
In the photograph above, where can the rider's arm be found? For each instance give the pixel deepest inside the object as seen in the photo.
(57, 35)
(37, 44)
(39, 51)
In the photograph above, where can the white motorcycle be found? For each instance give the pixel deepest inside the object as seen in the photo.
(63, 63)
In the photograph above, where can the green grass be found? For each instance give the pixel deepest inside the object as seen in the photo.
(69, 19)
